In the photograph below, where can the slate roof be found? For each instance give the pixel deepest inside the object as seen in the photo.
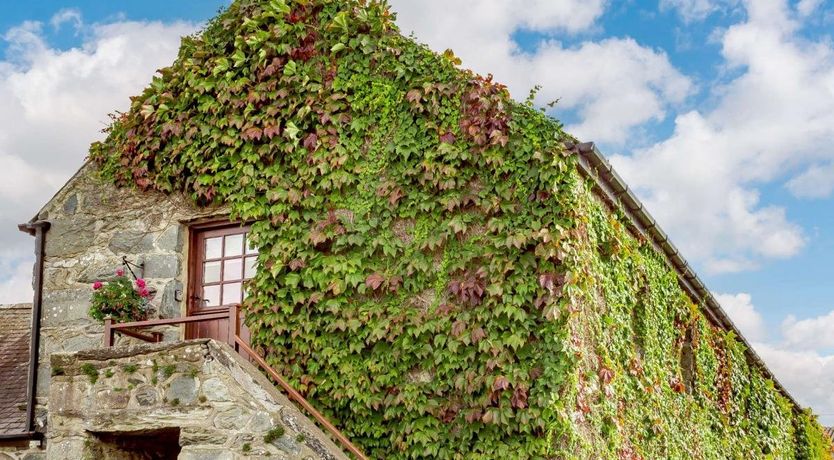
(15, 322)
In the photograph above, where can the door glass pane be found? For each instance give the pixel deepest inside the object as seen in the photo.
(251, 264)
(250, 246)
(211, 272)
(232, 269)
(214, 248)
(234, 245)
(211, 296)
(231, 293)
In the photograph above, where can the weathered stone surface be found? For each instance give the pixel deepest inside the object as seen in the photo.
(171, 239)
(71, 205)
(65, 306)
(261, 421)
(232, 418)
(146, 396)
(215, 390)
(214, 397)
(170, 306)
(203, 454)
(183, 389)
(162, 266)
(131, 241)
(93, 225)
(285, 444)
(113, 398)
(205, 436)
(70, 237)
(103, 270)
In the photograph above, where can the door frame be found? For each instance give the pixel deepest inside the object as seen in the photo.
(195, 272)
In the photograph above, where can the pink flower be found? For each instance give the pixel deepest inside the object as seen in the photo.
(140, 282)
(143, 292)
(120, 272)
(97, 285)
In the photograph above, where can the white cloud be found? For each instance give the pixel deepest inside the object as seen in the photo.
(806, 7)
(71, 15)
(615, 84)
(776, 116)
(698, 10)
(743, 313)
(815, 182)
(690, 10)
(810, 333)
(15, 277)
(55, 102)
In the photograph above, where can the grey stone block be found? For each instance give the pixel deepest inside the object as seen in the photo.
(146, 396)
(131, 241)
(60, 307)
(162, 266)
(214, 454)
(170, 307)
(70, 236)
(232, 418)
(171, 239)
(71, 205)
(215, 390)
(183, 388)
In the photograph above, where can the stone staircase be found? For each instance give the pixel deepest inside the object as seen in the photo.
(196, 399)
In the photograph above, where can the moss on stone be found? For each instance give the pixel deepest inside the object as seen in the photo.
(274, 434)
(90, 371)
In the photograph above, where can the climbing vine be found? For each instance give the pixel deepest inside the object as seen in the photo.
(434, 272)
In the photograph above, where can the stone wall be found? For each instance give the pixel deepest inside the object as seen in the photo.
(93, 225)
(196, 399)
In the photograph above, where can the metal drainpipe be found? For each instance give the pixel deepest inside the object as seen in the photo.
(38, 229)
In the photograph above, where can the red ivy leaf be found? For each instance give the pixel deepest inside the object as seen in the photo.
(500, 383)
(272, 131)
(395, 196)
(394, 283)
(519, 399)
(413, 95)
(606, 375)
(473, 415)
(253, 133)
(677, 385)
(458, 327)
(488, 417)
(448, 138)
(374, 281)
(477, 335)
(311, 142)
(295, 264)
(535, 373)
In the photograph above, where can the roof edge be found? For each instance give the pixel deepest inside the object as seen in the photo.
(613, 190)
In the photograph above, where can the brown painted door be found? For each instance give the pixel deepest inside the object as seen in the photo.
(221, 260)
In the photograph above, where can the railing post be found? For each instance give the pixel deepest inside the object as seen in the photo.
(108, 332)
(233, 317)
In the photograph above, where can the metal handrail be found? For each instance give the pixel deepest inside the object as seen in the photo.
(234, 340)
(296, 396)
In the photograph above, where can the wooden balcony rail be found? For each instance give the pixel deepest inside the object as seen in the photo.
(240, 345)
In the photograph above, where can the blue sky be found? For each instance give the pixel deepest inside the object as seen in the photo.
(719, 113)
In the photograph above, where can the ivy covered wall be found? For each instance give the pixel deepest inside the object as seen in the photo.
(435, 274)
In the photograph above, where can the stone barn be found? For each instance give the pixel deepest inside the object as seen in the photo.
(312, 237)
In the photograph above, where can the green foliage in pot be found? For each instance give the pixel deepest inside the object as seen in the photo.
(121, 299)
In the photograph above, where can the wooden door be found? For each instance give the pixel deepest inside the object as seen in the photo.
(221, 260)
